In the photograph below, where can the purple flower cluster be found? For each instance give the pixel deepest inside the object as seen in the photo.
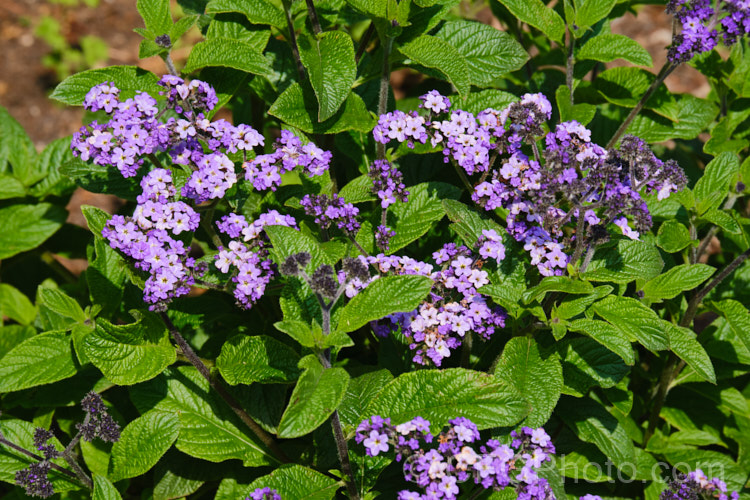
(98, 423)
(264, 494)
(332, 209)
(264, 171)
(701, 24)
(696, 485)
(400, 126)
(196, 96)
(454, 309)
(562, 197)
(148, 237)
(439, 464)
(35, 481)
(387, 183)
(246, 258)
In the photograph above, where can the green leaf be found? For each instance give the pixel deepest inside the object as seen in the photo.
(440, 395)
(228, 53)
(538, 376)
(128, 79)
(673, 236)
(635, 320)
(693, 116)
(582, 113)
(62, 304)
(330, 65)
(723, 220)
(257, 11)
(589, 12)
(624, 86)
(297, 482)
(156, 16)
(142, 444)
(557, 284)
(607, 335)
(236, 26)
(682, 342)
(47, 170)
(208, 428)
(288, 241)
(477, 102)
(27, 226)
(382, 297)
(104, 489)
(358, 190)
(15, 305)
(737, 316)
(316, 396)
(40, 360)
(128, 354)
(298, 330)
(10, 187)
(713, 186)
(712, 463)
(412, 220)
(489, 53)
(677, 280)
(624, 262)
(12, 335)
(610, 46)
(535, 13)
(16, 148)
(100, 179)
(106, 277)
(359, 393)
(435, 53)
(297, 106)
(593, 424)
(588, 364)
(96, 218)
(245, 359)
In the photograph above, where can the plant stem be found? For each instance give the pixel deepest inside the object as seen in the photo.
(364, 42)
(466, 350)
(462, 176)
(570, 64)
(170, 64)
(209, 229)
(663, 74)
(28, 453)
(194, 360)
(338, 433)
(82, 476)
(671, 369)
(313, 17)
(587, 259)
(293, 39)
(385, 85)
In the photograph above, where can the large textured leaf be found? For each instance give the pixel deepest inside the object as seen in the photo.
(588, 364)
(440, 395)
(128, 354)
(539, 377)
(245, 359)
(16, 148)
(625, 262)
(682, 342)
(297, 482)
(489, 53)
(287, 241)
(359, 393)
(677, 280)
(142, 444)
(47, 170)
(435, 53)
(100, 179)
(39, 360)
(156, 16)
(592, 423)
(25, 227)
(329, 60)
(228, 53)
(316, 396)
(589, 12)
(382, 297)
(635, 320)
(673, 236)
(12, 335)
(257, 11)
(413, 219)
(693, 116)
(208, 428)
(712, 187)
(538, 15)
(129, 79)
(610, 46)
(625, 86)
(737, 316)
(104, 489)
(61, 303)
(297, 106)
(607, 335)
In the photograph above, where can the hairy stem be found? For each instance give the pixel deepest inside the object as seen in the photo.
(313, 17)
(364, 42)
(194, 360)
(570, 64)
(209, 228)
(587, 259)
(464, 179)
(293, 39)
(79, 472)
(385, 85)
(33, 455)
(663, 74)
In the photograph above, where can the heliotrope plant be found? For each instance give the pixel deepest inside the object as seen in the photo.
(488, 289)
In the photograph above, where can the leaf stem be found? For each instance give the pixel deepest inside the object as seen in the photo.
(313, 17)
(570, 63)
(293, 38)
(194, 360)
(385, 84)
(665, 71)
